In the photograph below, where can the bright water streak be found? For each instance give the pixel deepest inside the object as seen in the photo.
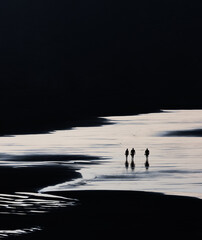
(175, 162)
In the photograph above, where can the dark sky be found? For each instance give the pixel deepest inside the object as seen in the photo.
(99, 56)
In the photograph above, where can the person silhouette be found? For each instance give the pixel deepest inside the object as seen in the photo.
(132, 153)
(146, 153)
(147, 158)
(126, 153)
(126, 162)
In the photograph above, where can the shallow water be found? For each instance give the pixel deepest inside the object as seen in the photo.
(175, 161)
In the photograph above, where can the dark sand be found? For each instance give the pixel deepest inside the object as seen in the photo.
(33, 178)
(54, 169)
(185, 133)
(99, 214)
(128, 214)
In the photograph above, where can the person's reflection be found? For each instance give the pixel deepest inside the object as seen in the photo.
(126, 164)
(132, 164)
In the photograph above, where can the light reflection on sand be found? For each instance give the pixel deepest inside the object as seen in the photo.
(17, 232)
(24, 203)
(175, 162)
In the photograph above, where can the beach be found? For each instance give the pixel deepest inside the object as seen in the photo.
(74, 182)
(82, 82)
(92, 213)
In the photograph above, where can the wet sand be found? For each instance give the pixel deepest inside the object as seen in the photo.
(185, 133)
(33, 172)
(128, 214)
(33, 178)
(96, 214)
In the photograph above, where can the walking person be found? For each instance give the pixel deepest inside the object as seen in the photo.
(147, 158)
(132, 153)
(147, 153)
(126, 154)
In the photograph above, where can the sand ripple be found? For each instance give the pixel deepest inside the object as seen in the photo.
(17, 232)
(24, 203)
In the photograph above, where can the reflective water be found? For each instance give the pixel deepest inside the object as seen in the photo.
(175, 161)
(17, 232)
(24, 203)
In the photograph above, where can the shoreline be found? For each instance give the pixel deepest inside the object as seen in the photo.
(37, 126)
(48, 127)
(111, 213)
(30, 176)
